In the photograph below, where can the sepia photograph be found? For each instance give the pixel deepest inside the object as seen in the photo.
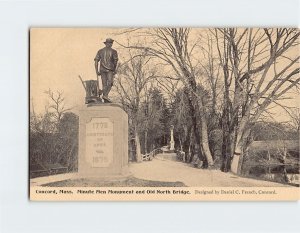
(181, 114)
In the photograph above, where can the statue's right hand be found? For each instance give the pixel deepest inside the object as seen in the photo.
(98, 73)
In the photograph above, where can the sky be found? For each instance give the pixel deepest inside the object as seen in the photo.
(59, 55)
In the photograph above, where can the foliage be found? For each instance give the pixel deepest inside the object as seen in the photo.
(53, 135)
(155, 125)
(60, 146)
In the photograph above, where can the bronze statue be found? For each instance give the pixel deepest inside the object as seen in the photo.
(108, 59)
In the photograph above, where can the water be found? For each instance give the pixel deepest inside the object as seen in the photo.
(286, 174)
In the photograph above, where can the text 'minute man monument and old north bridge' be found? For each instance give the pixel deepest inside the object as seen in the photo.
(103, 125)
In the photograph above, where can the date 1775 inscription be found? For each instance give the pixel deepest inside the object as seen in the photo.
(99, 142)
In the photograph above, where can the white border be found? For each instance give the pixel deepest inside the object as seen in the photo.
(17, 214)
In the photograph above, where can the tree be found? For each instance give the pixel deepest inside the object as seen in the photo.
(57, 106)
(131, 87)
(181, 119)
(273, 131)
(155, 124)
(259, 68)
(172, 47)
(67, 136)
(54, 134)
(294, 114)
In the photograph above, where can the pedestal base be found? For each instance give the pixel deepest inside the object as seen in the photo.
(103, 141)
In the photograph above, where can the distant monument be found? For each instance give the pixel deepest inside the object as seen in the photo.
(172, 143)
(103, 127)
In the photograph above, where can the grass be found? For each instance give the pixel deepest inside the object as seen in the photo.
(129, 182)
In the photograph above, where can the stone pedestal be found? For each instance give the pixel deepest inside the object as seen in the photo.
(103, 141)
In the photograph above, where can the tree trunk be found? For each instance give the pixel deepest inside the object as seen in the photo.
(203, 151)
(239, 151)
(237, 157)
(238, 145)
(204, 133)
(226, 126)
(137, 147)
(186, 144)
(196, 104)
(180, 142)
(226, 143)
(204, 142)
(195, 130)
(146, 139)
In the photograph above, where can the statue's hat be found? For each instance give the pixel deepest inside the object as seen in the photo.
(108, 40)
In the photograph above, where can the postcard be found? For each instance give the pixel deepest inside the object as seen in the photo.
(164, 114)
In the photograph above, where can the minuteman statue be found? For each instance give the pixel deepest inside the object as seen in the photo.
(108, 59)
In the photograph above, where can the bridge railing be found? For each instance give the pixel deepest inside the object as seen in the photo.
(151, 155)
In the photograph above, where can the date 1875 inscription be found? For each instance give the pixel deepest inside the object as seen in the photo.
(99, 142)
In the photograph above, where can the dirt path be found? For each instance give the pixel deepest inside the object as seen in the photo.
(164, 168)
